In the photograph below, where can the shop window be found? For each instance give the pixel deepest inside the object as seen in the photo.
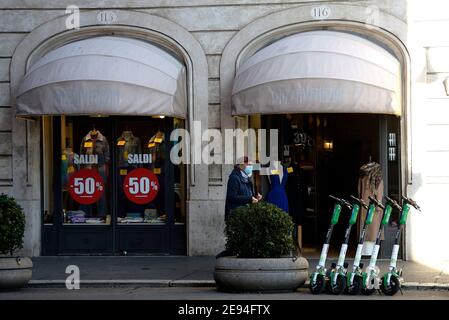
(141, 172)
(113, 168)
(85, 170)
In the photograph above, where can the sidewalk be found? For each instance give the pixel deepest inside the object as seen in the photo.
(177, 271)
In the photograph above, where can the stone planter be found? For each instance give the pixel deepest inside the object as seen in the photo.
(15, 272)
(260, 275)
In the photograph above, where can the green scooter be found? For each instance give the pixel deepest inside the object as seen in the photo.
(318, 278)
(337, 276)
(371, 277)
(391, 281)
(355, 278)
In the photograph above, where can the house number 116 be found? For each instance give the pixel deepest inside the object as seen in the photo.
(320, 13)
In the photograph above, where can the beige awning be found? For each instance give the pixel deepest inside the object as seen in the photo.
(319, 72)
(104, 76)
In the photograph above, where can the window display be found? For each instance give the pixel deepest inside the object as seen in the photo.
(85, 175)
(140, 171)
(113, 184)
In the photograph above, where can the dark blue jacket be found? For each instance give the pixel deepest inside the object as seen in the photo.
(239, 191)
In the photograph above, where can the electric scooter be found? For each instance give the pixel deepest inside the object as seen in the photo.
(371, 278)
(355, 278)
(337, 276)
(318, 278)
(391, 281)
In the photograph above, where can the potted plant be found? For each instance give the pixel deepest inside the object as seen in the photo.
(15, 272)
(260, 236)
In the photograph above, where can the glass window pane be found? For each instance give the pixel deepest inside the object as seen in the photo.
(85, 164)
(140, 163)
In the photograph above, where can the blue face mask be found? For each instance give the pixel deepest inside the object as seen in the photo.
(249, 170)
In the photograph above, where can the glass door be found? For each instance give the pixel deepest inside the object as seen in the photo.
(85, 184)
(143, 185)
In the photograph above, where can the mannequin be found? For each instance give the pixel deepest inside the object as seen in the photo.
(127, 144)
(278, 179)
(94, 143)
(155, 147)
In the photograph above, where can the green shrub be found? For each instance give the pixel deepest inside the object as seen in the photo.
(260, 230)
(12, 225)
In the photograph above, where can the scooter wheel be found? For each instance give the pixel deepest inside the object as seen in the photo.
(356, 286)
(392, 288)
(318, 286)
(366, 291)
(340, 285)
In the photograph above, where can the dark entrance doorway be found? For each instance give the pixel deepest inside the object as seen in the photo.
(330, 149)
(113, 188)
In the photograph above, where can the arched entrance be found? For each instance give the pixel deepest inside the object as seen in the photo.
(334, 97)
(260, 34)
(132, 25)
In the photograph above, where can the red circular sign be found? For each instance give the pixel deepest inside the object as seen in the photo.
(86, 186)
(141, 186)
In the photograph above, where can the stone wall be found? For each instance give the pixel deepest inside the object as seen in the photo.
(212, 23)
(429, 50)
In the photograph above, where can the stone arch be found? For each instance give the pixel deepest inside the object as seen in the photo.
(127, 23)
(387, 29)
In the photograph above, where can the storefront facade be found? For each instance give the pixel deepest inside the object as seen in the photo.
(212, 42)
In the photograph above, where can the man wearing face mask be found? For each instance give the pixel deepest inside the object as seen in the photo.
(239, 192)
(240, 188)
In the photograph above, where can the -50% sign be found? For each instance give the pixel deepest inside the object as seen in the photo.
(141, 186)
(86, 186)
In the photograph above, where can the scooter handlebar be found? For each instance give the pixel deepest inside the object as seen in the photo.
(411, 202)
(346, 203)
(334, 198)
(360, 201)
(342, 201)
(376, 202)
(394, 203)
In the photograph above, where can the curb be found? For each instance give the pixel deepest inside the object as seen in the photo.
(190, 284)
(425, 286)
(123, 283)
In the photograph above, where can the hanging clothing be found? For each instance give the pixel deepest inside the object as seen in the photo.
(67, 167)
(156, 148)
(277, 194)
(371, 184)
(96, 145)
(296, 189)
(127, 144)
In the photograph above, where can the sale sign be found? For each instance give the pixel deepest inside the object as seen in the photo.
(86, 186)
(141, 186)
